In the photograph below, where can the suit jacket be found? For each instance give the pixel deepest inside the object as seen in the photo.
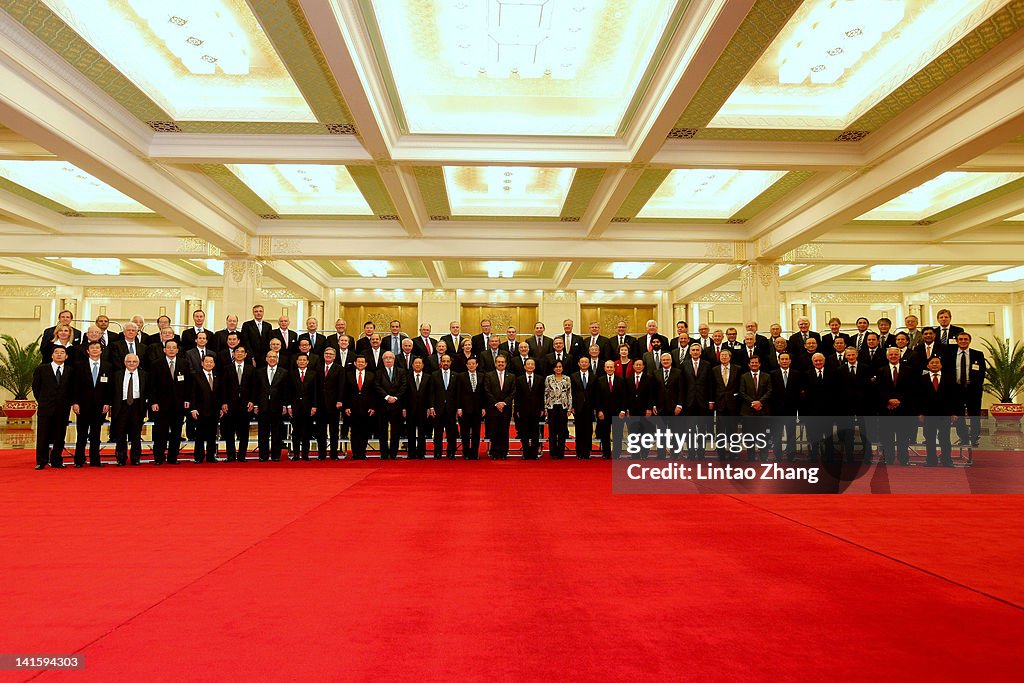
(669, 394)
(479, 343)
(395, 386)
(442, 400)
(517, 364)
(205, 399)
(639, 347)
(360, 401)
(574, 344)
(188, 338)
(503, 393)
(822, 396)
(886, 340)
(698, 386)
(453, 346)
(487, 359)
(545, 347)
(385, 343)
(119, 349)
(194, 361)
(305, 394)
(373, 362)
(863, 340)
(743, 356)
(748, 394)
(418, 400)
(237, 395)
(976, 368)
(332, 341)
(510, 349)
(53, 398)
(547, 366)
(257, 343)
(84, 394)
(941, 402)
(608, 399)
(47, 336)
(873, 361)
(170, 393)
(529, 399)
(469, 401)
(118, 403)
(222, 338)
(583, 399)
(786, 395)
(271, 397)
(332, 384)
(459, 361)
(639, 397)
(318, 345)
(726, 396)
(419, 346)
(796, 341)
(828, 340)
(293, 341)
(921, 355)
(405, 364)
(954, 330)
(601, 342)
(903, 389)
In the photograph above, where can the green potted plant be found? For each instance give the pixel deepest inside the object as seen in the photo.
(16, 368)
(1004, 380)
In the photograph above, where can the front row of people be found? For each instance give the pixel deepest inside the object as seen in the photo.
(324, 400)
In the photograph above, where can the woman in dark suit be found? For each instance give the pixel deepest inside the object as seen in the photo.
(624, 364)
(463, 355)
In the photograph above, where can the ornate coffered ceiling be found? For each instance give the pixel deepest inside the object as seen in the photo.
(569, 144)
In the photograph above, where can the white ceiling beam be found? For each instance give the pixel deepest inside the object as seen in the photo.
(176, 272)
(950, 253)
(685, 274)
(43, 272)
(288, 275)
(949, 277)
(817, 277)
(759, 155)
(435, 273)
(28, 213)
(712, 278)
(565, 272)
(978, 217)
(104, 246)
(49, 102)
(1006, 158)
(208, 148)
(978, 109)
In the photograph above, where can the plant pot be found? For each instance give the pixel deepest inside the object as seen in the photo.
(19, 412)
(1007, 415)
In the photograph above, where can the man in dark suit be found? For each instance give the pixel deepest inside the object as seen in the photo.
(328, 418)
(128, 410)
(341, 330)
(423, 345)
(500, 390)
(828, 339)
(444, 409)
(557, 354)
(107, 335)
(595, 337)
(304, 403)
(886, 338)
(155, 350)
(64, 317)
(405, 356)
(482, 341)
(305, 349)
(750, 349)
(454, 338)
(855, 380)
(373, 353)
(529, 409)
(393, 342)
(639, 399)
(797, 339)
(669, 391)
(572, 344)
(238, 403)
(608, 406)
(418, 402)
(188, 337)
(787, 384)
(968, 367)
(91, 392)
(256, 336)
(360, 406)
(129, 343)
(945, 333)
(170, 384)
(289, 340)
(725, 387)
(271, 406)
(819, 408)
(696, 372)
(872, 355)
(206, 409)
(937, 408)
(201, 348)
(539, 344)
(652, 358)
(928, 348)
(317, 339)
(391, 385)
(491, 353)
(517, 362)
(510, 345)
(762, 343)
(859, 339)
(894, 387)
(583, 385)
(226, 355)
(345, 356)
(470, 402)
(755, 395)
(230, 325)
(363, 343)
(52, 387)
(645, 343)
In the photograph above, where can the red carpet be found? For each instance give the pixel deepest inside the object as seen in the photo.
(496, 570)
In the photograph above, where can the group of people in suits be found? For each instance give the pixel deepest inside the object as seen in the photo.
(393, 387)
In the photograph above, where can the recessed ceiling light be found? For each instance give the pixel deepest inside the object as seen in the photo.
(893, 272)
(630, 270)
(707, 193)
(499, 269)
(69, 185)
(370, 268)
(97, 266)
(1008, 275)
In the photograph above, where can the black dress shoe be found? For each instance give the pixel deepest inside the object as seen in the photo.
(40, 467)
(121, 464)
(95, 464)
(58, 467)
(172, 462)
(79, 465)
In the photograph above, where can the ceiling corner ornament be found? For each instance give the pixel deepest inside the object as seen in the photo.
(736, 221)
(683, 133)
(388, 217)
(739, 251)
(569, 219)
(164, 126)
(340, 128)
(265, 247)
(717, 250)
(192, 245)
(282, 245)
(852, 135)
(621, 219)
(805, 252)
(72, 214)
(270, 216)
(440, 218)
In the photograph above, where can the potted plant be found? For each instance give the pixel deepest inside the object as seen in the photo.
(1004, 380)
(16, 369)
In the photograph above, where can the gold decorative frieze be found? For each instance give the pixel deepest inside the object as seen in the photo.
(720, 298)
(132, 293)
(972, 298)
(29, 292)
(805, 252)
(560, 297)
(279, 293)
(856, 297)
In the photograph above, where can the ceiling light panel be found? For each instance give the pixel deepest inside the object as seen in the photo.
(835, 59)
(707, 193)
(519, 67)
(939, 194)
(69, 185)
(200, 60)
(507, 190)
(304, 188)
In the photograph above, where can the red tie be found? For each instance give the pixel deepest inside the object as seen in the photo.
(638, 381)
(360, 381)
(717, 353)
(302, 377)
(649, 346)
(430, 349)
(935, 382)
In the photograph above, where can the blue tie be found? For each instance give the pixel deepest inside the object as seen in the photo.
(95, 373)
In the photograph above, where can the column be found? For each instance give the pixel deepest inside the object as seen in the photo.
(760, 294)
(316, 310)
(242, 277)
